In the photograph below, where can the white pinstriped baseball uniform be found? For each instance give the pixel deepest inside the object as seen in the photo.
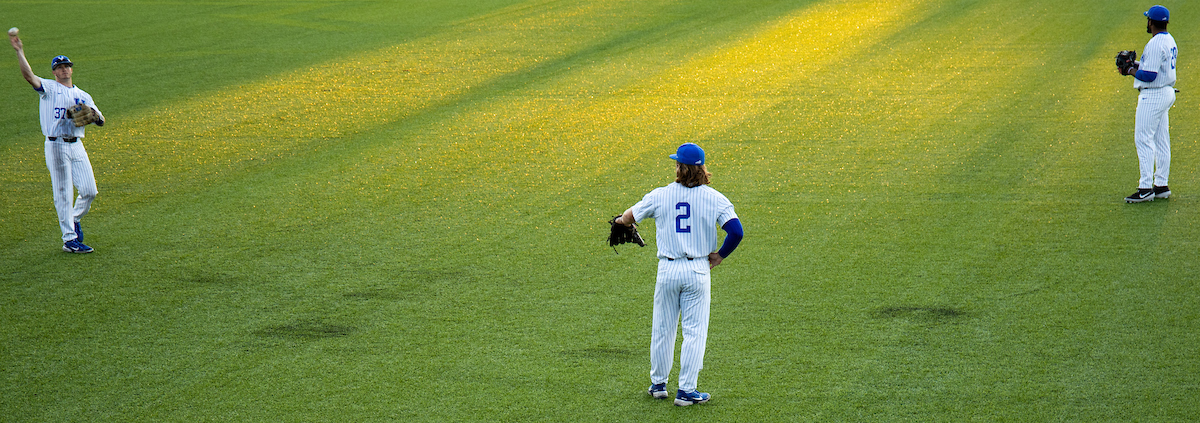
(1151, 132)
(67, 161)
(686, 222)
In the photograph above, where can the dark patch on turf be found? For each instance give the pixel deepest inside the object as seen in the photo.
(599, 353)
(407, 283)
(1027, 292)
(209, 278)
(922, 313)
(306, 330)
(373, 294)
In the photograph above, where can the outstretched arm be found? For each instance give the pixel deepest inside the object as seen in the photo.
(26, 71)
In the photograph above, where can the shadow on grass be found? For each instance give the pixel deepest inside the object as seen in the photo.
(600, 353)
(932, 314)
(306, 330)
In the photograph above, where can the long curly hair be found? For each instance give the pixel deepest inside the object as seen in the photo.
(692, 176)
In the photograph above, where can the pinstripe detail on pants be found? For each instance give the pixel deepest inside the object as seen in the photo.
(682, 292)
(70, 168)
(1152, 136)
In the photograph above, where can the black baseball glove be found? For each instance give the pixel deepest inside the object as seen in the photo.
(1127, 62)
(619, 234)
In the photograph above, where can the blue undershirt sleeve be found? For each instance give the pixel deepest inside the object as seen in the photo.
(733, 236)
(1145, 76)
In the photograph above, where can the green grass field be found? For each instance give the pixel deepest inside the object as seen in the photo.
(395, 211)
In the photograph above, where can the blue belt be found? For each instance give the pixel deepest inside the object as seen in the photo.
(65, 139)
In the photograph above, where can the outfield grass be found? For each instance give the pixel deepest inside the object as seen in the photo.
(395, 211)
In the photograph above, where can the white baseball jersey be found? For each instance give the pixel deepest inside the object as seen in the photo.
(55, 99)
(1151, 128)
(686, 220)
(68, 162)
(1158, 56)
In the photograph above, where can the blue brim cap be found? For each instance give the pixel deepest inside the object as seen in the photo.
(1158, 13)
(60, 60)
(689, 154)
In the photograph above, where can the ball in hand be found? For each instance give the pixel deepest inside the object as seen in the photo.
(12, 32)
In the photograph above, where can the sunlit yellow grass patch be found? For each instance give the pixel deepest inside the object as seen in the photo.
(381, 87)
(574, 124)
(358, 93)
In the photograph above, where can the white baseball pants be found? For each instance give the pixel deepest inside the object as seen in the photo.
(682, 289)
(1152, 136)
(69, 167)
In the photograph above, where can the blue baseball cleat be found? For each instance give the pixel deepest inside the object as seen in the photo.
(658, 390)
(684, 399)
(74, 246)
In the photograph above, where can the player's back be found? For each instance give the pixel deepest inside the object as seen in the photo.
(686, 219)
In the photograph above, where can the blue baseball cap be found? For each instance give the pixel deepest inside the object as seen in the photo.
(60, 60)
(1158, 13)
(690, 154)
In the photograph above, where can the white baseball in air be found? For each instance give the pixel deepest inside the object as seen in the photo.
(12, 32)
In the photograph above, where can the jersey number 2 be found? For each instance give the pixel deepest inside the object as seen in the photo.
(680, 218)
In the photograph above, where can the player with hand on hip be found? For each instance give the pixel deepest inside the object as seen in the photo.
(687, 214)
(65, 156)
(1155, 80)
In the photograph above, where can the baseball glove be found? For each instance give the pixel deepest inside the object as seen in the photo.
(619, 234)
(82, 114)
(1127, 62)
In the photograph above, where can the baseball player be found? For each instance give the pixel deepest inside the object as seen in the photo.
(65, 156)
(687, 214)
(1154, 77)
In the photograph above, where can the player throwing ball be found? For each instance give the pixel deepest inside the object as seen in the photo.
(65, 110)
(1154, 77)
(686, 215)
